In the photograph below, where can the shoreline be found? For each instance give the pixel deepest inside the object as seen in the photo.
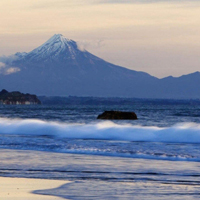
(23, 188)
(57, 176)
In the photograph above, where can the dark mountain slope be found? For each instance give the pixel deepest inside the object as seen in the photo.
(59, 67)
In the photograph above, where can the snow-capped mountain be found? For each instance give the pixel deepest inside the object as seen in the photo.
(59, 67)
(57, 47)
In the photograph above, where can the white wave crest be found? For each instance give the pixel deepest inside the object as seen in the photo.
(107, 130)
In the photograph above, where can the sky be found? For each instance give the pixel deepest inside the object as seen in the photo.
(160, 37)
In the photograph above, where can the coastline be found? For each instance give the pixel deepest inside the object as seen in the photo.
(23, 188)
(60, 176)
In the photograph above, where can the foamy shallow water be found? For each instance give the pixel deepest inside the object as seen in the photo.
(179, 142)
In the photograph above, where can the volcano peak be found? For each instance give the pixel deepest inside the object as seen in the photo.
(56, 46)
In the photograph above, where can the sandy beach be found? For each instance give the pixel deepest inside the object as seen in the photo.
(57, 176)
(21, 188)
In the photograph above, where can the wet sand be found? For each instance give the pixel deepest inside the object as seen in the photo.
(21, 188)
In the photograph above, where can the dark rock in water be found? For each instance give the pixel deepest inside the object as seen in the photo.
(14, 98)
(117, 115)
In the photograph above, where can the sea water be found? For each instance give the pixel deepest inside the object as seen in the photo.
(154, 157)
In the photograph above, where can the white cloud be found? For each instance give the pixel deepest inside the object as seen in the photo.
(2, 65)
(11, 70)
(8, 59)
(85, 44)
(6, 70)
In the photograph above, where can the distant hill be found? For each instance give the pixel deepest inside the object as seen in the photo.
(60, 68)
(17, 98)
(72, 100)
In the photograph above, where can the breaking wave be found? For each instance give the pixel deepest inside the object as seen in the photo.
(104, 130)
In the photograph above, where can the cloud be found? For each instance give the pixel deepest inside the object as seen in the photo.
(2, 65)
(63, 3)
(8, 59)
(120, 1)
(58, 4)
(6, 70)
(78, 3)
(11, 70)
(139, 1)
(83, 45)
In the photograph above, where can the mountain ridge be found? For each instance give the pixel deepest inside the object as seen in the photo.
(60, 67)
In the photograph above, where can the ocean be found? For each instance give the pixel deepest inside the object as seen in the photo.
(154, 157)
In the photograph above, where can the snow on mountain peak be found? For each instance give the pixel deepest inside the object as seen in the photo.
(57, 48)
(58, 38)
(53, 47)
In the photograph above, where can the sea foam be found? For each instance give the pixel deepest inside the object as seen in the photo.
(105, 130)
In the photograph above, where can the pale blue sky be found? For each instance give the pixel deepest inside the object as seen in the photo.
(158, 37)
